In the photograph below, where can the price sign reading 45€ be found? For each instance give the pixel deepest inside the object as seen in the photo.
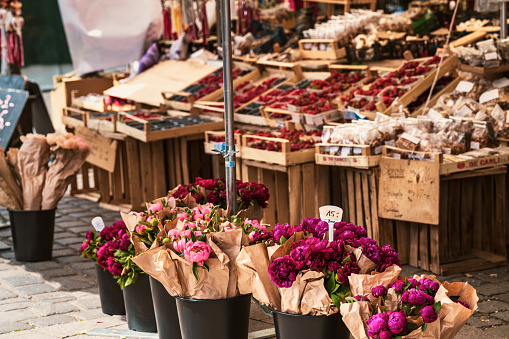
(331, 215)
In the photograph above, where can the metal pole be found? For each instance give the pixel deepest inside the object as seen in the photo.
(231, 181)
(503, 19)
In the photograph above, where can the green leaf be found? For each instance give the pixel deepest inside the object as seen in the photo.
(195, 270)
(347, 259)
(350, 300)
(454, 298)
(206, 266)
(203, 238)
(437, 306)
(330, 284)
(411, 326)
(343, 290)
(398, 337)
(424, 327)
(337, 300)
(282, 240)
(193, 237)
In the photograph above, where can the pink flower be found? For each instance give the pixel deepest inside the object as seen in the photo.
(397, 322)
(182, 216)
(252, 236)
(180, 245)
(428, 314)
(156, 207)
(198, 216)
(140, 229)
(205, 211)
(150, 218)
(197, 252)
(228, 229)
(174, 233)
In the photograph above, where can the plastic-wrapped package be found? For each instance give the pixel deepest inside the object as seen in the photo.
(503, 48)
(465, 107)
(503, 128)
(481, 136)
(425, 124)
(326, 134)
(408, 142)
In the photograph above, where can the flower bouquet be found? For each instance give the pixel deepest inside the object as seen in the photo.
(191, 250)
(251, 196)
(419, 307)
(32, 181)
(295, 271)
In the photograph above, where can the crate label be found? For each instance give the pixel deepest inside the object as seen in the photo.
(465, 86)
(229, 164)
(491, 56)
(334, 149)
(219, 146)
(474, 145)
(357, 150)
(280, 124)
(103, 151)
(98, 224)
(501, 83)
(446, 150)
(434, 115)
(410, 138)
(346, 151)
(409, 190)
(487, 96)
(378, 150)
(465, 110)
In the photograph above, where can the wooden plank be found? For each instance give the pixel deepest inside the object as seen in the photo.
(146, 181)
(467, 206)
(84, 174)
(443, 225)
(351, 197)
(104, 185)
(468, 39)
(323, 188)
(116, 179)
(454, 218)
(259, 164)
(366, 205)
(498, 231)
(308, 191)
(268, 179)
(281, 197)
(477, 214)
(424, 246)
(413, 258)
(216, 171)
(184, 161)
(374, 206)
(125, 171)
(170, 164)
(403, 240)
(434, 250)
(507, 207)
(358, 200)
(488, 217)
(470, 265)
(177, 162)
(295, 194)
(340, 191)
(157, 152)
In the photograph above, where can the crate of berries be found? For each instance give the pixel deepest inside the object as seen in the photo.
(284, 147)
(215, 141)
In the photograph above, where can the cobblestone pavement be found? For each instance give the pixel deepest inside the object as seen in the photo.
(60, 299)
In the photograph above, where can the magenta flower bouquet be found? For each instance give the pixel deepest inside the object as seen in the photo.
(419, 307)
(295, 270)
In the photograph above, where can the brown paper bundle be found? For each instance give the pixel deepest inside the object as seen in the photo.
(355, 316)
(12, 160)
(10, 185)
(60, 174)
(33, 159)
(6, 197)
(455, 315)
(361, 284)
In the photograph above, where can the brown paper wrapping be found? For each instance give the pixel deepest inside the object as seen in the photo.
(12, 160)
(33, 159)
(10, 185)
(314, 299)
(361, 284)
(6, 198)
(230, 243)
(453, 315)
(60, 174)
(355, 316)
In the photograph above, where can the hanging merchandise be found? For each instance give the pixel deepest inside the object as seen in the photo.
(167, 21)
(245, 12)
(177, 22)
(202, 13)
(15, 39)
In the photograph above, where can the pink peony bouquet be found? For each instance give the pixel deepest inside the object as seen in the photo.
(295, 270)
(419, 307)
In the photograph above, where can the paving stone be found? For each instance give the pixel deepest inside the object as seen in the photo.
(256, 325)
(11, 316)
(80, 266)
(70, 210)
(69, 224)
(71, 259)
(5, 233)
(81, 229)
(502, 315)
(51, 320)
(76, 247)
(13, 301)
(89, 314)
(54, 297)
(41, 266)
(88, 303)
(63, 253)
(14, 326)
(257, 314)
(13, 273)
(6, 267)
(73, 283)
(4, 294)
(492, 289)
(483, 321)
(497, 332)
(57, 272)
(19, 305)
(35, 289)
(87, 215)
(4, 246)
(56, 308)
(64, 235)
(470, 332)
(23, 280)
(491, 306)
(70, 240)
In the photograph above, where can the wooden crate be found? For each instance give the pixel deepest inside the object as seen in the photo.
(73, 117)
(367, 156)
(346, 3)
(296, 192)
(147, 134)
(284, 158)
(329, 51)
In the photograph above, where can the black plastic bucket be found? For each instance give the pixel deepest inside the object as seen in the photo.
(112, 298)
(32, 234)
(165, 307)
(139, 306)
(214, 319)
(293, 326)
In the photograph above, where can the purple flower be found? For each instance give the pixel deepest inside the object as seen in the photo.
(428, 314)
(416, 297)
(462, 303)
(282, 271)
(370, 249)
(413, 283)
(377, 323)
(429, 284)
(345, 271)
(385, 334)
(318, 263)
(397, 322)
(124, 242)
(300, 256)
(114, 267)
(379, 291)
(84, 246)
(389, 257)
(361, 298)
(399, 286)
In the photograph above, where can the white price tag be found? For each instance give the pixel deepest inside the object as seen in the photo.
(501, 83)
(491, 56)
(465, 86)
(378, 150)
(446, 150)
(220, 146)
(331, 215)
(345, 151)
(98, 224)
(434, 115)
(410, 138)
(334, 149)
(357, 150)
(487, 96)
(464, 111)
(474, 145)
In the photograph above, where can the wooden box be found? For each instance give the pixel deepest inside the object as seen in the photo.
(365, 157)
(327, 49)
